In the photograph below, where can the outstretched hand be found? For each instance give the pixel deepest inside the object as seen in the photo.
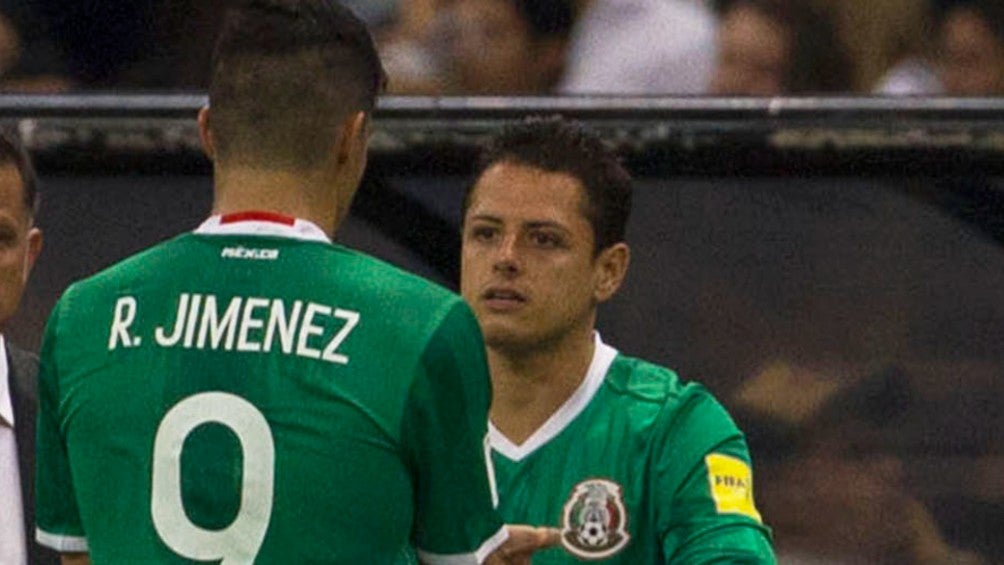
(522, 543)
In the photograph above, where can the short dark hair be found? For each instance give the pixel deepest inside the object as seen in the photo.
(555, 144)
(13, 151)
(285, 74)
(818, 60)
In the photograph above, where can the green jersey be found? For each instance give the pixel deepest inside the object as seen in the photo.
(635, 468)
(251, 392)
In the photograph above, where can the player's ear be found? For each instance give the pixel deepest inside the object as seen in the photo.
(353, 138)
(34, 248)
(206, 134)
(611, 268)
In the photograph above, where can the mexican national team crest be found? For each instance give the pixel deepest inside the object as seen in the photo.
(594, 524)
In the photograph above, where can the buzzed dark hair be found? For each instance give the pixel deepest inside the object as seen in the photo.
(285, 75)
(12, 151)
(557, 145)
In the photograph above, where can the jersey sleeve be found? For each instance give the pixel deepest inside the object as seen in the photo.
(445, 429)
(58, 519)
(703, 471)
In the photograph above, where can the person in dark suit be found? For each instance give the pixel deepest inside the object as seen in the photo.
(20, 243)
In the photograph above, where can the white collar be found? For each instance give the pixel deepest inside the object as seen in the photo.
(6, 403)
(256, 224)
(603, 357)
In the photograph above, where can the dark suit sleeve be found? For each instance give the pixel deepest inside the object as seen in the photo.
(24, 393)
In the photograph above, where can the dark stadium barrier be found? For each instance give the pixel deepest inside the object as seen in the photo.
(832, 269)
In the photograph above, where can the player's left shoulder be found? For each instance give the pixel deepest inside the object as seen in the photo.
(647, 381)
(682, 404)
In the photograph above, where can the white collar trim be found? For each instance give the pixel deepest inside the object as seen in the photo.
(6, 402)
(603, 357)
(301, 229)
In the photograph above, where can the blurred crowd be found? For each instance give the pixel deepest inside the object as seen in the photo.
(544, 47)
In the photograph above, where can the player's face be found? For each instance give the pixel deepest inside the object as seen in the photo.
(528, 268)
(19, 241)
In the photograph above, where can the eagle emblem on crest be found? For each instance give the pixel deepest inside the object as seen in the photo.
(594, 523)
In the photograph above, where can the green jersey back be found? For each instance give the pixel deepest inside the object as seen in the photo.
(252, 393)
(636, 467)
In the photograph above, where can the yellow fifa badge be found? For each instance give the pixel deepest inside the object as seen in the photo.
(731, 485)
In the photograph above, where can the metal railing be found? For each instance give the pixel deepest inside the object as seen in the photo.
(657, 136)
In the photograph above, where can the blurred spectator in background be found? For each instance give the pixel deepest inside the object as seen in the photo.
(890, 42)
(971, 47)
(774, 47)
(833, 475)
(411, 36)
(508, 47)
(636, 47)
(29, 62)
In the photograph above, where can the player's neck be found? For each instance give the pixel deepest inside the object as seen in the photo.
(530, 385)
(294, 194)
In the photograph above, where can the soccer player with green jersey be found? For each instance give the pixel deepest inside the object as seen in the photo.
(632, 464)
(251, 392)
